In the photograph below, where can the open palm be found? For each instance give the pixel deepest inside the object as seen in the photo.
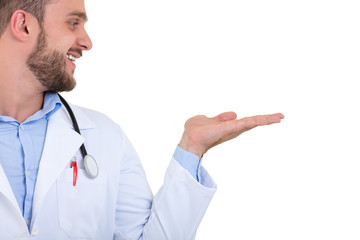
(202, 133)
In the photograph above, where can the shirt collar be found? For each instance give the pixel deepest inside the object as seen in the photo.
(51, 104)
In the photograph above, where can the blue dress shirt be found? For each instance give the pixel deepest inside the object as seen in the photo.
(21, 146)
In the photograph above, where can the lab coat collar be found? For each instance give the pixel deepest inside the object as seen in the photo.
(83, 120)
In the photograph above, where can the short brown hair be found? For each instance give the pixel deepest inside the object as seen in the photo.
(34, 7)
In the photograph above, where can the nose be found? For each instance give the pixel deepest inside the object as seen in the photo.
(84, 41)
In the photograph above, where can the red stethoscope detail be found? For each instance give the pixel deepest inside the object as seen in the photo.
(73, 164)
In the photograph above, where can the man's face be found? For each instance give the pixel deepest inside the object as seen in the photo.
(60, 42)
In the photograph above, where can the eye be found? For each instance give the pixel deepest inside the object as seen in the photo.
(74, 24)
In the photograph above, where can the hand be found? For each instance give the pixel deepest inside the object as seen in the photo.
(202, 133)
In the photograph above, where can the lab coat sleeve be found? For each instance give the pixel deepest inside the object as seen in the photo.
(179, 205)
(174, 213)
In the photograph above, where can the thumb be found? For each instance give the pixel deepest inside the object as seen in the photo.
(226, 116)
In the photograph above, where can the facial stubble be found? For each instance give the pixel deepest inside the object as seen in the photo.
(49, 67)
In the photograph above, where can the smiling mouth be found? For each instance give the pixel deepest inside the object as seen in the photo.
(71, 58)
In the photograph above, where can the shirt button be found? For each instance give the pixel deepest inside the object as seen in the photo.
(28, 222)
(35, 231)
(21, 127)
(27, 173)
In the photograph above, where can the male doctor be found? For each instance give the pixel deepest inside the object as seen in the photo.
(41, 194)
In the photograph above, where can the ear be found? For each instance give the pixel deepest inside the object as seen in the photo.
(19, 25)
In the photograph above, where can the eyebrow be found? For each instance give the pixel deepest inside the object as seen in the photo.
(81, 15)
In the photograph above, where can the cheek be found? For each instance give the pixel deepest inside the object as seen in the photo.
(60, 39)
(61, 46)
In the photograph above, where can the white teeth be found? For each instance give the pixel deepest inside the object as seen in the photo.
(71, 58)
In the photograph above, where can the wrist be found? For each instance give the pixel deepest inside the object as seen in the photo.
(189, 145)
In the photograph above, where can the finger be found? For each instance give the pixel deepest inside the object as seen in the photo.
(278, 115)
(259, 120)
(226, 116)
(274, 118)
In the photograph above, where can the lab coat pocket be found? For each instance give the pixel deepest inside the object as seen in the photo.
(81, 206)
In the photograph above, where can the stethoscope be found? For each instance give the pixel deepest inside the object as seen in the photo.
(90, 164)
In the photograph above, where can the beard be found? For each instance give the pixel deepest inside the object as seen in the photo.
(49, 67)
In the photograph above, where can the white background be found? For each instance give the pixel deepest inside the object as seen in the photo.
(156, 63)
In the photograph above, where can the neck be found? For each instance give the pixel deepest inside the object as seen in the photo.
(21, 94)
(18, 99)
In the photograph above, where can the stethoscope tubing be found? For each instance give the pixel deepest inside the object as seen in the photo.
(90, 163)
(75, 124)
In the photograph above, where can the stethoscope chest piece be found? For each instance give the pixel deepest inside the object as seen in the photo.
(91, 166)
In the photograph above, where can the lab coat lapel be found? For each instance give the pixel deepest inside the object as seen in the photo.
(5, 189)
(60, 146)
(11, 213)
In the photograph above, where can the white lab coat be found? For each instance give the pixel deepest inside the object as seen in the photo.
(118, 204)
